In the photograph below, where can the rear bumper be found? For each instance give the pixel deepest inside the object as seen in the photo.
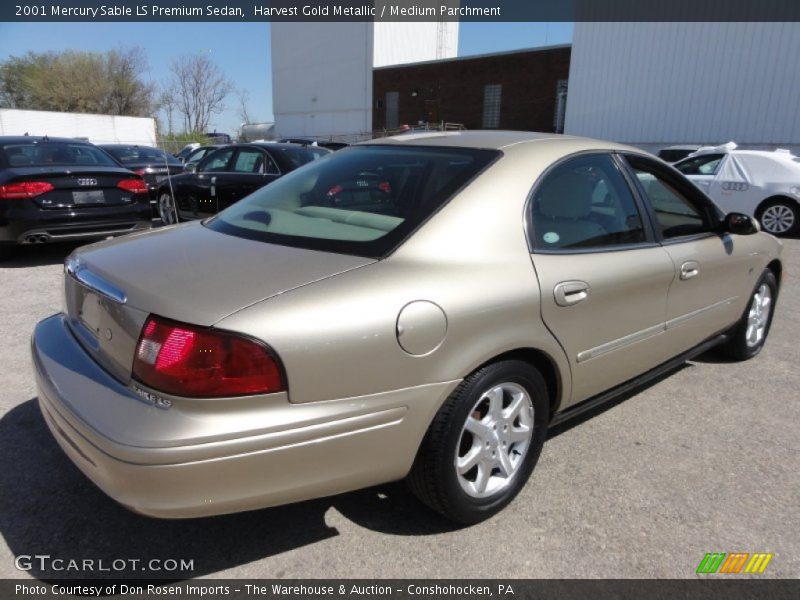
(22, 222)
(260, 452)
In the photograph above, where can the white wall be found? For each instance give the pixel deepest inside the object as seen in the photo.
(98, 129)
(401, 43)
(322, 72)
(652, 84)
(321, 78)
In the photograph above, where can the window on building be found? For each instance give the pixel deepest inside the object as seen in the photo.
(561, 106)
(492, 95)
(392, 110)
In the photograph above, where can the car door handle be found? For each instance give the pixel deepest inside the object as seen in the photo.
(568, 293)
(690, 269)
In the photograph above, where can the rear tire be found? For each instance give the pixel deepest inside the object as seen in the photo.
(483, 443)
(750, 334)
(166, 208)
(779, 216)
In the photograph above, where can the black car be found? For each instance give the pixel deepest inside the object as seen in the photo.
(229, 174)
(54, 189)
(152, 164)
(330, 145)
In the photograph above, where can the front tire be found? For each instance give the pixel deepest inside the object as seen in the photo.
(483, 443)
(779, 216)
(750, 334)
(166, 208)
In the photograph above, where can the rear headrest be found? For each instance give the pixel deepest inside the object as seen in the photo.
(566, 196)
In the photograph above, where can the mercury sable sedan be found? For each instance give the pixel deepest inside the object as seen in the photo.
(305, 342)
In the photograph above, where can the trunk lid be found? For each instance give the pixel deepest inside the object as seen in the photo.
(187, 273)
(77, 187)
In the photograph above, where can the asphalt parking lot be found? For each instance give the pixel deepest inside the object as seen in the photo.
(704, 460)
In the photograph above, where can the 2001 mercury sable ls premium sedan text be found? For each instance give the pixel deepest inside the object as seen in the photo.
(304, 342)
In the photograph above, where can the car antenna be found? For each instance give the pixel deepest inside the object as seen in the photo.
(171, 191)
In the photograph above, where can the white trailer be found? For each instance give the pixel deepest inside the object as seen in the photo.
(98, 129)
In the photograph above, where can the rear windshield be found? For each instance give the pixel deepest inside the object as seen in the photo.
(363, 200)
(44, 154)
(139, 154)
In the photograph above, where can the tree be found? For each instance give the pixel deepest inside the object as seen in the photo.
(90, 82)
(200, 90)
(244, 111)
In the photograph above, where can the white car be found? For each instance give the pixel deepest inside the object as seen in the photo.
(762, 184)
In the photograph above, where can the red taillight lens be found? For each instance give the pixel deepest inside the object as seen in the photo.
(385, 187)
(134, 186)
(185, 360)
(25, 189)
(335, 190)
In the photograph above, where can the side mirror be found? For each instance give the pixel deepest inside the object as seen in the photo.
(182, 159)
(190, 168)
(739, 224)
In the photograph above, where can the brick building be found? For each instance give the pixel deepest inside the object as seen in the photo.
(522, 90)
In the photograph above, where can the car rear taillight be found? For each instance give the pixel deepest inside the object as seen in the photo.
(198, 362)
(134, 186)
(25, 189)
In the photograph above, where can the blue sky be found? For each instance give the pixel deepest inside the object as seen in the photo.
(242, 50)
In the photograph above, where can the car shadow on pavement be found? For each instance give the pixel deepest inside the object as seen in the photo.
(48, 507)
(42, 255)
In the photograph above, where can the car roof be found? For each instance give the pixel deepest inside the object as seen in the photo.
(501, 140)
(19, 139)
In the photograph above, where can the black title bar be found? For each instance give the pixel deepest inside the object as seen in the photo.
(400, 10)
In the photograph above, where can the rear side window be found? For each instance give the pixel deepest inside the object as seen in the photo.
(44, 154)
(585, 203)
(363, 200)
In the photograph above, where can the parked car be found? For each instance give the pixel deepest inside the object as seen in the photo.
(153, 165)
(199, 153)
(186, 151)
(289, 348)
(227, 175)
(762, 184)
(330, 145)
(58, 189)
(673, 154)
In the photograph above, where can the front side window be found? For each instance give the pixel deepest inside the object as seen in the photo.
(363, 200)
(676, 215)
(217, 161)
(705, 164)
(585, 203)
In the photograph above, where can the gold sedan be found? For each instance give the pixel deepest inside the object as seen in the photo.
(422, 307)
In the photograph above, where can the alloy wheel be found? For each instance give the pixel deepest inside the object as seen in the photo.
(777, 219)
(758, 317)
(166, 210)
(494, 440)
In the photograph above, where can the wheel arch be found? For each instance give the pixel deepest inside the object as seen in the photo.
(544, 363)
(763, 204)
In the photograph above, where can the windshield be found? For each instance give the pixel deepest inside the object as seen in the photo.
(705, 164)
(45, 154)
(363, 200)
(140, 154)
